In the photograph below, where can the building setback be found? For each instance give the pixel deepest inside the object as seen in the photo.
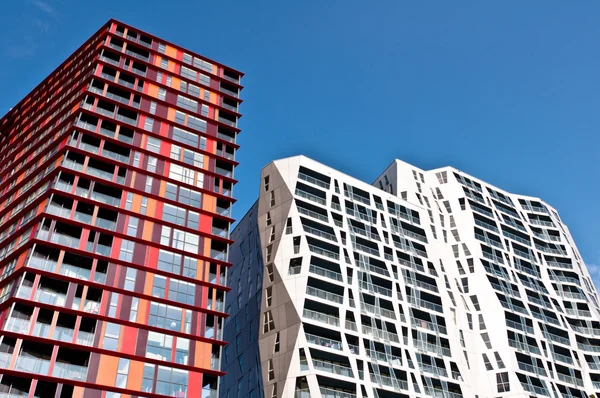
(424, 284)
(116, 177)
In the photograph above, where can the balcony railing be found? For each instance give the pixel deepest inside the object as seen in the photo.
(312, 214)
(318, 316)
(323, 252)
(332, 368)
(324, 342)
(313, 180)
(429, 347)
(326, 273)
(311, 197)
(32, 365)
(381, 334)
(330, 393)
(323, 294)
(70, 371)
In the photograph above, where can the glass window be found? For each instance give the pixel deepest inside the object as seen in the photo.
(153, 144)
(189, 73)
(185, 137)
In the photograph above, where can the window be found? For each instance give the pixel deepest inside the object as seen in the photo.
(171, 382)
(159, 286)
(196, 123)
(274, 391)
(168, 261)
(152, 161)
(152, 107)
(132, 226)
(148, 124)
(182, 292)
(185, 137)
(266, 183)
(126, 253)
(271, 370)
(502, 382)
(181, 173)
(153, 144)
(164, 63)
(122, 372)
(499, 360)
(187, 103)
(165, 316)
(269, 221)
(130, 279)
(174, 214)
(189, 73)
(162, 94)
(269, 295)
(148, 187)
(269, 252)
(204, 110)
(270, 273)
(272, 235)
(272, 196)
(486, 340)
(277, 343)
(111, 336)
(486, 362)
(268, 322)
(288, 226)
(159, 346)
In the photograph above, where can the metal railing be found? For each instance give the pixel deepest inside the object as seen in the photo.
(311, 197)
(325, 272)
(324, 342)
(312, 214)
(318, 316)
(323, 294)
(332, 368)
(323, 252)
(313, 180)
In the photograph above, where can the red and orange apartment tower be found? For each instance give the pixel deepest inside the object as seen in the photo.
(116, 177)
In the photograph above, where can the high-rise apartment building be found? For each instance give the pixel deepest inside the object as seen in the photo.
(116, 178)
(424, 284)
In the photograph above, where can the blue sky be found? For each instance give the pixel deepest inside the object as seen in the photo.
(507, 91)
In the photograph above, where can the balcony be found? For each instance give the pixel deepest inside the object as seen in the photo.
(323, 252)
(425, 304)
(437, 393)
(330, 393)
(311, 197)
(331, 367)
(434, 370)
(383, 357)
(532, 369)
(380, 334)
(70, 371)
(325, 273)
(313, 180)
(373, 288)
(389, 382)
(18, 325)
(85, 338)
(50, 297)
(32, 365)
(325, 295)
(312, 214)
(324, 342)
(371, 309)
(424, 346)
(320, 317)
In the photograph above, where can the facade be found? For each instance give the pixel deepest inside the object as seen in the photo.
(116, 177)
(424, 284)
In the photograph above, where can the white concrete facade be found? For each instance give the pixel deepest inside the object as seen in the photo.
(426, 283)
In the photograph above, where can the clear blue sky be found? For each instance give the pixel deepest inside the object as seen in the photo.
(508, 91)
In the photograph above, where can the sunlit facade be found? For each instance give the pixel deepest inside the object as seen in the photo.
(116, 178)
(422, 284)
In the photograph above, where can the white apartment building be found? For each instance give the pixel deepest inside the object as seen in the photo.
(423, 284)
